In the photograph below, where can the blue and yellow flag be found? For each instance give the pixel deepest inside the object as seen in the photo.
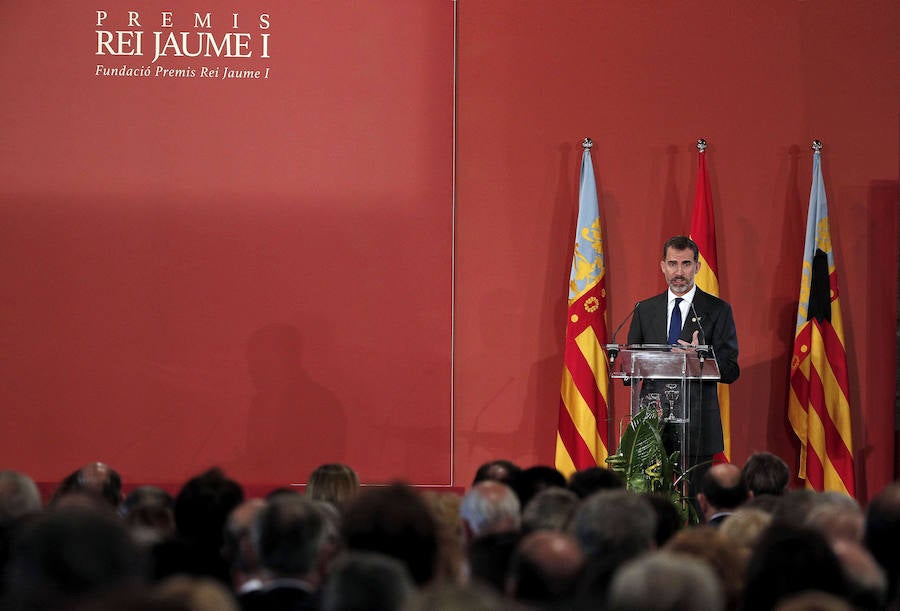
(582, 434)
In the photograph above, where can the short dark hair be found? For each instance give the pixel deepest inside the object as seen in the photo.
(289, 534)
(765, 473)
(394, 520)
(203, 504)
(681, 242)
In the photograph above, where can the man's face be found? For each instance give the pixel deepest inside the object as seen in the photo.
(679, 269)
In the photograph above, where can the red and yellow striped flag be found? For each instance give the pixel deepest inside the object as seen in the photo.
(582, 434)
(703, 233)
(818, 406)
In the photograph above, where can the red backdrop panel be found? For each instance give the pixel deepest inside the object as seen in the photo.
(254, 272)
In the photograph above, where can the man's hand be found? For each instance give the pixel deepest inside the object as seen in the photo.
(694, 337)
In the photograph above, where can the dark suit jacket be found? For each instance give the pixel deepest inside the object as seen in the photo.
(648, 326)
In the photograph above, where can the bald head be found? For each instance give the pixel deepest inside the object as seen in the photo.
(721, 490)
(545, 567)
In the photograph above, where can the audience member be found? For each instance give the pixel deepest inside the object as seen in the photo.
(456, 597)
(195, 594)
(662, 581)
(794, 507)
(550, 509)
(394, 520)
(95, 478)
(837, 516)
(489, 507)
(612, 527)
(788, 560)
(813, 600)
(239, 550)
(19, 497)
(544, 569)
(744, 528)
(489, 557)
(882, 534)
(68, 554)
(765, 473)
(444, 508)
(716, 550)
(502, 471)
(721, 492)
(295, 540)
(586, 482)
(334, 483)
(19, 501)
(201, 509)
(866, 580)
(669, 517)
(528, 482)
(366, 581)
(149, 514)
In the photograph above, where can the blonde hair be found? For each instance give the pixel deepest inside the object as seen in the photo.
(334, 483)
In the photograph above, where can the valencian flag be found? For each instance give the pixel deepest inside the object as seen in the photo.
(818, 406)
(703, 233)
(582, 435)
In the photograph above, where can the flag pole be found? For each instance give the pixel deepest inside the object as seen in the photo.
(701, 145)
(587, 143)
(817, 145)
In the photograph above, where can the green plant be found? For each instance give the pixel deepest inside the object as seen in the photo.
(644, 464)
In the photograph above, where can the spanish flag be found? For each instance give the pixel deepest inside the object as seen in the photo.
(703, 233)
(583, 431)
(818, 405)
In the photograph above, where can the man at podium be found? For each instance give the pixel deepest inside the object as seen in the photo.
(685, 315)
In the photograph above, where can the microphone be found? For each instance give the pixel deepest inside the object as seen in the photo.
(702, 349)
(613, 348)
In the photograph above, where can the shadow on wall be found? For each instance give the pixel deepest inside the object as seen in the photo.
(294, 424)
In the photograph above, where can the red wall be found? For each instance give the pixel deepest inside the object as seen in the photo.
(183, 259)
(759, 82)
(251, 273)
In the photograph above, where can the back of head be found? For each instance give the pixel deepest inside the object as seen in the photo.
(455, 597)
(866, 580)
(663, 581)
(69, 553)
(550, 509)
(545, 568)
(669, 519)
(503, 471)
(393, 520)
(720, 553)
(490, 507)
(290, 535)
(532, 480)
(149, 513)
(334, 483)
(723, 487)
(586, 482)
(489, 557)
(745, 526)
(97, 479)
(616, 524)
(838, 517)
(203, 504)
(788, 560)
(366, 581)
(765, 473)
(19, 497)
